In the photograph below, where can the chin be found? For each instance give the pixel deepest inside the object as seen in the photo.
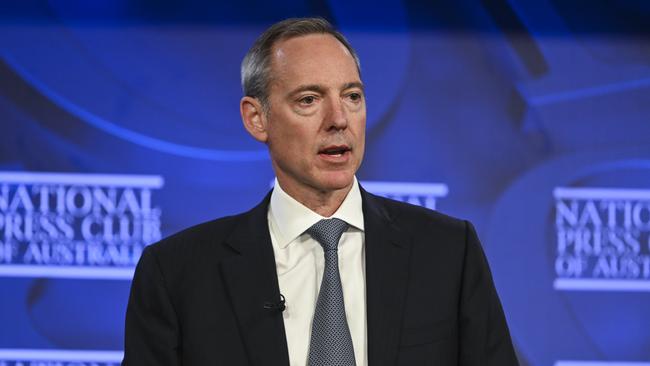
(336, 181)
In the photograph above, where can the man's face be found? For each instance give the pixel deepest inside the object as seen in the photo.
(317, 117)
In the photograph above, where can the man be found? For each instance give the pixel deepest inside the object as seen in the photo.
(321, 272)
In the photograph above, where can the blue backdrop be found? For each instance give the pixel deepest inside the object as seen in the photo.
(120, 124)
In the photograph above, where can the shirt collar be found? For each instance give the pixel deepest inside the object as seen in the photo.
(292, 218)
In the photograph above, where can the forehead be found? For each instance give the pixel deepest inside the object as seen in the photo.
(314, 58)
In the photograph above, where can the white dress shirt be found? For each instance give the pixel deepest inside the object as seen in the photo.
(299, 262)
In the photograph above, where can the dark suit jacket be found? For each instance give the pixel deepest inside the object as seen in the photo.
(198, 297)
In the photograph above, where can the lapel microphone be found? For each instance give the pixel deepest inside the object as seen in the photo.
(276, 306)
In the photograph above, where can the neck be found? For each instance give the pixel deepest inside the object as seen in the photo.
(323, 202)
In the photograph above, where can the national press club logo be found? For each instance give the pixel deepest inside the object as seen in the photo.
(602, 239)
(421, 194)
(76, 225)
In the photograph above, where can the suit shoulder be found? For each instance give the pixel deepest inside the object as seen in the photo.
(418, 217)
(432, 234)
(196, 237)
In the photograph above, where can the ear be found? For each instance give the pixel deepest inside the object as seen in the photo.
(254, 118)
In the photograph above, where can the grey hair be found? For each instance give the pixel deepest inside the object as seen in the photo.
(256, 66)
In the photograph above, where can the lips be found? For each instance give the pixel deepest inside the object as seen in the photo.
(335, 150)
(336, 155)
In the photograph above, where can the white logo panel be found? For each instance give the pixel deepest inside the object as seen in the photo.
(603, 239)
(76, 225)
(35, 357)
(421, 194)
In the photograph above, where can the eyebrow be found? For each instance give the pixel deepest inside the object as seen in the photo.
(321, 90)
(354, 84)
(309, 87)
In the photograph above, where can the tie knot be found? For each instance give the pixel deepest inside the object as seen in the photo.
(328, 232)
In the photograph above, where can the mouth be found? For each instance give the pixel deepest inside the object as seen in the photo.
(335, 151)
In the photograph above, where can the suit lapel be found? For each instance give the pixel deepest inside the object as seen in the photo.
(387, 267)
(252, 281)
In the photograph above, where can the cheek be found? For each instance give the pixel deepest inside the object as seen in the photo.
(293, 135)
(291, 144)
(360, 131)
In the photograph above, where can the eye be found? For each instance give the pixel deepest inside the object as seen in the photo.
(355, 97)
(307, 100)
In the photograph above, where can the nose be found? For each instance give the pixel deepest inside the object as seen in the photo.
(336, 116)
